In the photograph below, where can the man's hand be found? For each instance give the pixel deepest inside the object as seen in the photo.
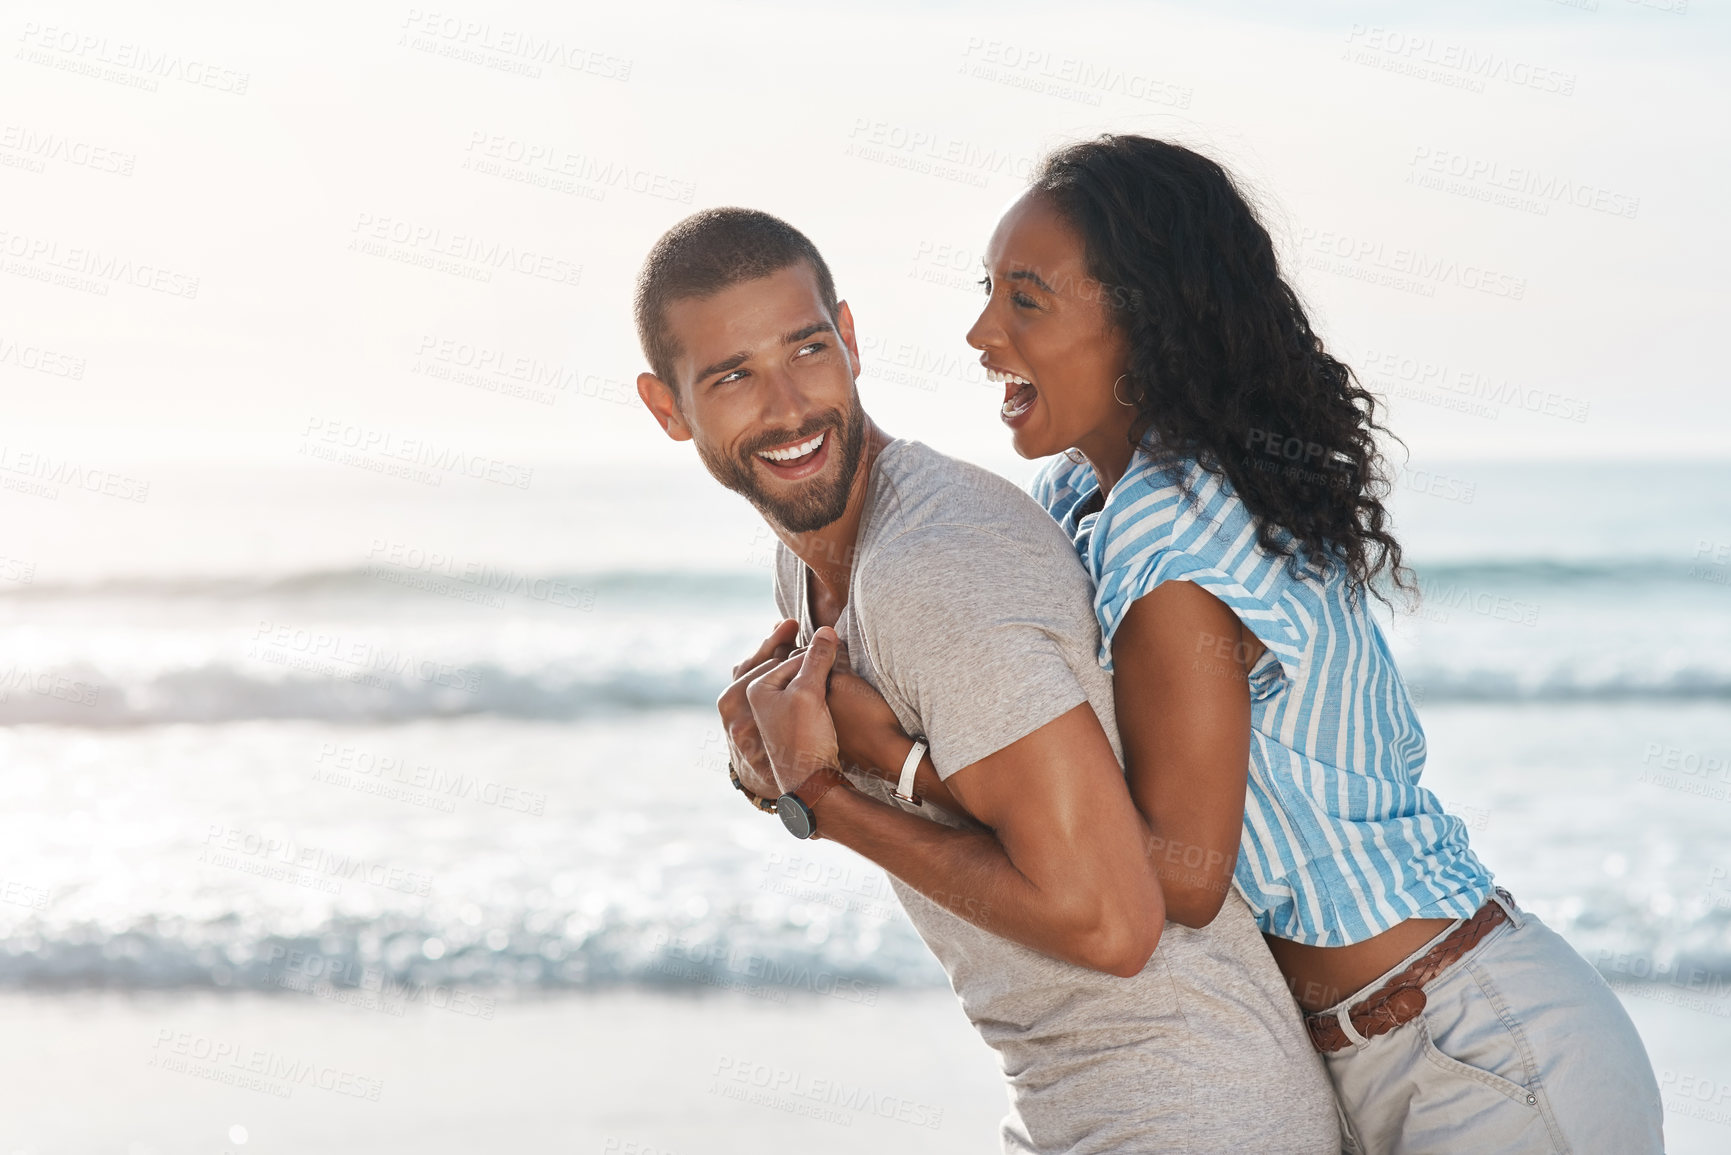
(793, 720)
(749, 759)
(779, 646)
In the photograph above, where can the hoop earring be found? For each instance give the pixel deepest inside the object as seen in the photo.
(1118, 399)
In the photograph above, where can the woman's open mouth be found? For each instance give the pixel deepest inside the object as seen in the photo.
(1019, 395)
(797, 459)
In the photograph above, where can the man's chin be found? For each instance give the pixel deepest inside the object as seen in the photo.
(801, 513)
(803, 502)
(804, 505)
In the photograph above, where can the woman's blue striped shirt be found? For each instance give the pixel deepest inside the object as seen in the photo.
(1340, 841)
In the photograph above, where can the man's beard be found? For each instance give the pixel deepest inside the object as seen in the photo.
(819, 502)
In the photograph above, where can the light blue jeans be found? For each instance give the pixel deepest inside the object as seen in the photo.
(1521, 1047)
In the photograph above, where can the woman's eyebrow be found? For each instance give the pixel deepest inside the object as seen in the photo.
(1031, 275)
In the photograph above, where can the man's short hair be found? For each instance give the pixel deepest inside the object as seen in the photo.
(706, 253)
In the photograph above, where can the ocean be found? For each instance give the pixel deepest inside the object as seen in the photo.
(322, 733)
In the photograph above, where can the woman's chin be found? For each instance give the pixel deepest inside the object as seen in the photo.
(1031, 444)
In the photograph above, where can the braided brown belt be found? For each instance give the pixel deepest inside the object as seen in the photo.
(1402, 999)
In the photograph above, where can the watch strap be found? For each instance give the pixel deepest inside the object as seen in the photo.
(816, 786)
(910, 766)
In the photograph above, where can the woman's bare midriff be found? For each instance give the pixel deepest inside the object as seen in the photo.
(1321, 976)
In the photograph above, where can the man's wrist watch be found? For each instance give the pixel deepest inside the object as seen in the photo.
(795, 807)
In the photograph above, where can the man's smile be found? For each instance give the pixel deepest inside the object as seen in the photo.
(797, 459)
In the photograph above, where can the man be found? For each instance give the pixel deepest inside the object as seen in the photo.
(1023, 864)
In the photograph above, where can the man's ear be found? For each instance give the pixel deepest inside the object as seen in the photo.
(658, 398)
(844, 326)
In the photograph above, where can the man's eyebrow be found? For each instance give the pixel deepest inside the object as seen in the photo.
(731, 363)
(1031, 275)
(799, 335)
(724, 366)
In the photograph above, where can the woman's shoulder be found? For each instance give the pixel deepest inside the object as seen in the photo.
(1163, 501)
(1175, 505)
(1152, 499)
(1170, 519)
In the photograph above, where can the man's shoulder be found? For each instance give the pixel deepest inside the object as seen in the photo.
(925, 496)
(954, 535)
(913, 464)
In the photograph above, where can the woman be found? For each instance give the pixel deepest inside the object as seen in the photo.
(1220, 479)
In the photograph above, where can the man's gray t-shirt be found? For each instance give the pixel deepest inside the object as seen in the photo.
(970, 613)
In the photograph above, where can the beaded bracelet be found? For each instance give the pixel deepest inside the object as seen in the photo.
(764, 804)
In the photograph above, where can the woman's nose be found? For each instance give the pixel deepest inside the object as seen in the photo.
(982, 333)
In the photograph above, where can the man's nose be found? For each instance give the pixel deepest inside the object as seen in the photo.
(785, 402)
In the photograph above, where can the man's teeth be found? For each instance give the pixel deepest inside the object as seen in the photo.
(998, 377)
(793, 453)
(1020, 403)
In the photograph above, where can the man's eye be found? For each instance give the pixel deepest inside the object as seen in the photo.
(730, 377)
(811, 348)
(986, 284)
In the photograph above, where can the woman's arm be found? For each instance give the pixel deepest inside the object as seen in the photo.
(1059, 865)
(1181, 663)
(872, 739)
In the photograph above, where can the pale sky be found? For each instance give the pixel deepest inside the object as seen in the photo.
(1542, 181)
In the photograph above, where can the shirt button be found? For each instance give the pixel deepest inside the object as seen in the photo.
(1532, 1099)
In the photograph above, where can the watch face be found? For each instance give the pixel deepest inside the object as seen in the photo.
(796, 816)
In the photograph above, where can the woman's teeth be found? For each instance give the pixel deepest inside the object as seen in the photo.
(1020, 401)
(1020, 392)
(793, 453)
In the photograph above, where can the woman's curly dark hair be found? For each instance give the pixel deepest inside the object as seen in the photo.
(1224, 367)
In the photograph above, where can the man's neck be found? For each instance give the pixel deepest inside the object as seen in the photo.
(829, 552)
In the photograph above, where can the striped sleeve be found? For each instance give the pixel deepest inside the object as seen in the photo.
(1165, 536)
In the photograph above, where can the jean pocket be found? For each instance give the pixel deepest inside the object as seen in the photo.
(1503, 1086)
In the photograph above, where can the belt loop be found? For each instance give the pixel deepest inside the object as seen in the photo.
(1507, 901)
(1343, 1015)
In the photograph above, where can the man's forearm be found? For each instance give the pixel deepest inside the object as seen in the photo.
(969, 873)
